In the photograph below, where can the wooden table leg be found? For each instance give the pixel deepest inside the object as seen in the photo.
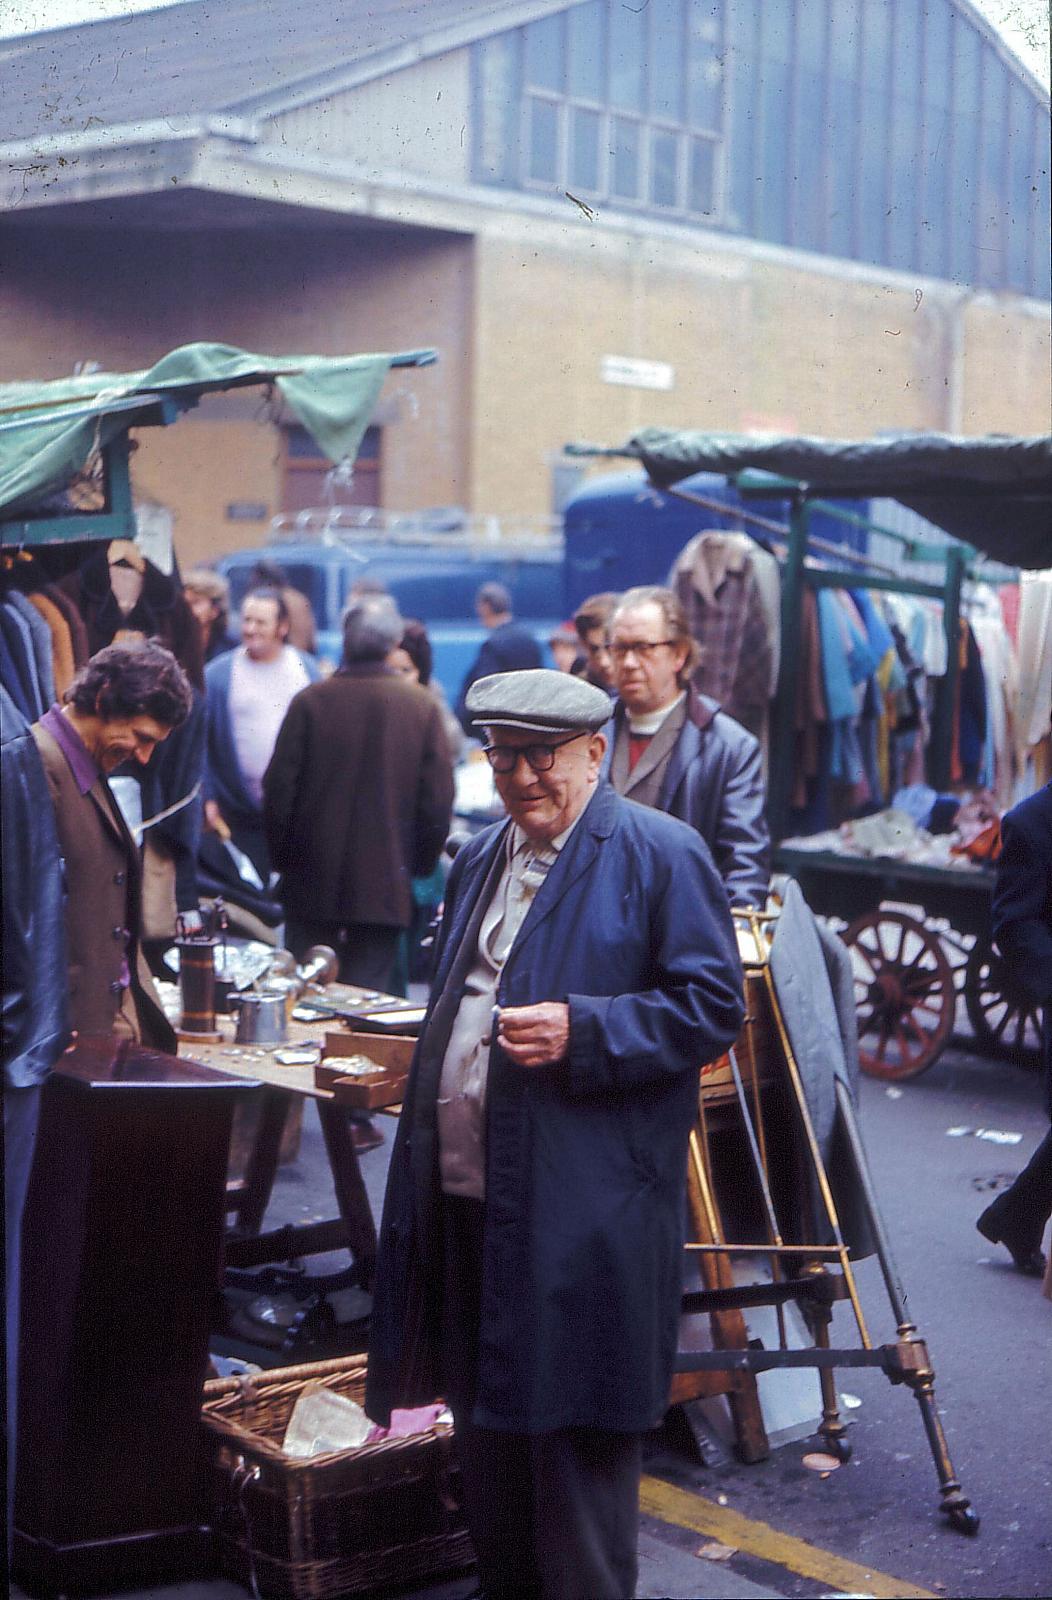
(728, 1327)
(274, 1106)
(350, 1189)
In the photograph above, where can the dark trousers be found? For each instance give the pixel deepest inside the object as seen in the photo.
(552, 1516)
(21, 1118)
(1031, 1193)
(366, 950)
(249, 837)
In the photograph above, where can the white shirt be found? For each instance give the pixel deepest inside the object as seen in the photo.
(260, 692)
(647, 723)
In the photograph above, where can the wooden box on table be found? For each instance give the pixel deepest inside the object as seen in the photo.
(392, 1053)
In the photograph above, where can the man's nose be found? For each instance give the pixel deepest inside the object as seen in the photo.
(142, 756)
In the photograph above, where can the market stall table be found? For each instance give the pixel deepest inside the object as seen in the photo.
(283, 1081)
(247, 1197)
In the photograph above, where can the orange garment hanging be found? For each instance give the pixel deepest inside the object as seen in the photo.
(62, 661)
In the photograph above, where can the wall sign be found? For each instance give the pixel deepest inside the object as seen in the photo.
(634, 374)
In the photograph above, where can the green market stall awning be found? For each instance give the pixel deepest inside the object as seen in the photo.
(994, 493)
(49, 432)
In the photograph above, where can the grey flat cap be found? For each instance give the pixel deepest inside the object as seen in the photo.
(538, 700)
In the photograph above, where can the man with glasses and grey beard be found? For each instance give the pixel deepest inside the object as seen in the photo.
(674, 749)
(532, 1238)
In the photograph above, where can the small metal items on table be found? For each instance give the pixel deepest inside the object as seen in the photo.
(756, 1097)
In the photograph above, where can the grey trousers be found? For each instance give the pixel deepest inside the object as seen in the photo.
(552, 1516)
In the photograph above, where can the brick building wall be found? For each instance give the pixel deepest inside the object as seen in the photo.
(522, 308)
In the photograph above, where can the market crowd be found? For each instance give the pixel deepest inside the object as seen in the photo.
(584, 968)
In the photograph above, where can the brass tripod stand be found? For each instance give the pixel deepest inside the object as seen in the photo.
(757, 1088)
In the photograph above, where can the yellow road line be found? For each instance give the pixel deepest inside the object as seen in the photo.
(686, 1510)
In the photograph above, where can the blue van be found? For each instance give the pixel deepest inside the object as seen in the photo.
(434, 580)
(619, 531)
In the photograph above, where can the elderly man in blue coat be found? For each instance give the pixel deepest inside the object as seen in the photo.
(531, 1245)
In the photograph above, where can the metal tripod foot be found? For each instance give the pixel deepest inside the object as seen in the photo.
(912, 1367)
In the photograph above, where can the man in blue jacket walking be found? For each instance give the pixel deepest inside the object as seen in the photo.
(532, 1238)
(509, 646)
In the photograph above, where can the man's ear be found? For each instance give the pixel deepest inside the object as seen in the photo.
(596, 749)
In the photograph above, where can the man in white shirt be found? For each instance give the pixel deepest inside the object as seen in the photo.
(248, 693)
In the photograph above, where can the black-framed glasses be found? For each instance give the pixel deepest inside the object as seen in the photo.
(639, 647)
(504, 758)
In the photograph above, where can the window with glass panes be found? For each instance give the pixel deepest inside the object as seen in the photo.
(886, 131)
(611, 102)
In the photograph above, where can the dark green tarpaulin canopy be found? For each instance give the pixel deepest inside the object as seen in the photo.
(49, 431)
(994, 493)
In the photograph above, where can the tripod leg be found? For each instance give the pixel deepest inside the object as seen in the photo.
(916, 1372)
(832, 1428)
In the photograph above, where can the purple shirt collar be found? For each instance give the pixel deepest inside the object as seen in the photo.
(81, 763)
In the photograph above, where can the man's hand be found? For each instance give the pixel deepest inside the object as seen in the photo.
(535, 1036)
(214, 820)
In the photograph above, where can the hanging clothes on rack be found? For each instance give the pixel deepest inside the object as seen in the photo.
(123, 596)
(1034, 700)
(715, 580)
(998, 662)
(63, 665)
(118, 591)
(808, 797)
(908, 704)
(847, 662)
(40, 644)
(970, 710)
(26, 587)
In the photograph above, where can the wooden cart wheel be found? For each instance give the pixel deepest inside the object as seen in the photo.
(904, 993)
(1002, 1016)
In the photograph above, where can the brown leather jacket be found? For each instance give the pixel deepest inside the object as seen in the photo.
(103, 887)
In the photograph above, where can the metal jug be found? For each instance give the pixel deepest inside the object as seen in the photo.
(261, 1017)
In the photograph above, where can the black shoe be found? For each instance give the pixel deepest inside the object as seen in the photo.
(1024, 1246)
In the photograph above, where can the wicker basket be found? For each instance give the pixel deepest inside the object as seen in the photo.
(338, 1524)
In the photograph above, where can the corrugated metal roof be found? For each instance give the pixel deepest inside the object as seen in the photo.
(205, 56)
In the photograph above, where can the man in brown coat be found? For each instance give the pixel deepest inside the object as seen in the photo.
(357, 800)
(121, 705)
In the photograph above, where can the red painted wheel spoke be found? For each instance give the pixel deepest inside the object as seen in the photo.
(868, 956)
(910, 1019)
(903, 930)
(905, 1053)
